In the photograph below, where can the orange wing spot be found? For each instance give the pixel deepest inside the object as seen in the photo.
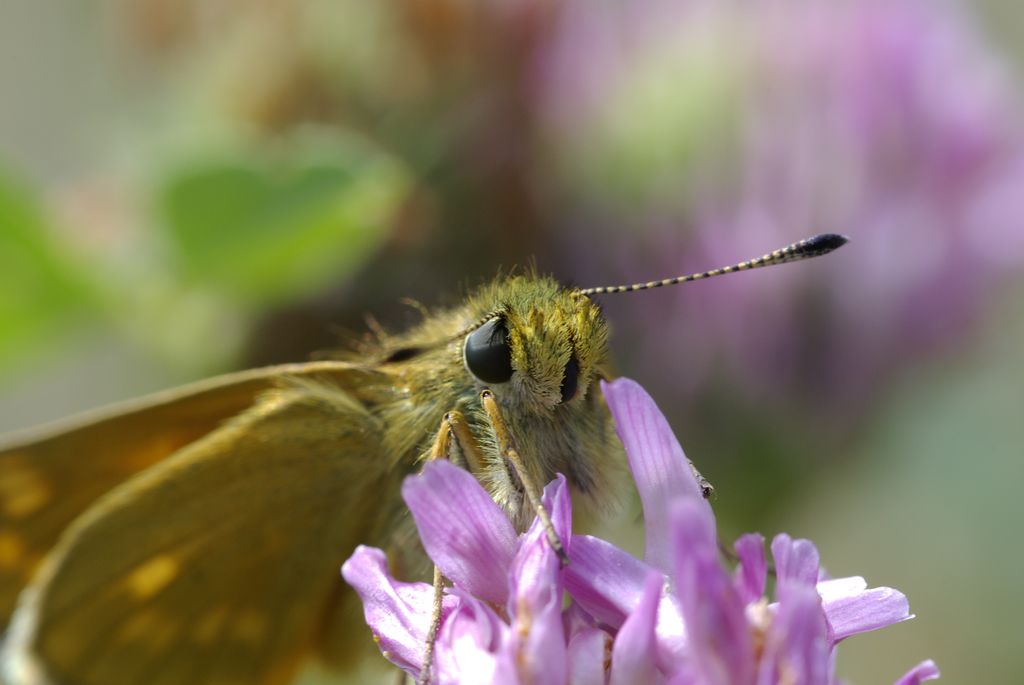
(153, 450)
(209, 627)
(150, 627)
(23, 490)
(12, 550)
(251, 627)
(152, 576)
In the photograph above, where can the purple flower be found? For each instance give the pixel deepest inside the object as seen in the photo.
(713, 130)
(678, 616)
(503, 618)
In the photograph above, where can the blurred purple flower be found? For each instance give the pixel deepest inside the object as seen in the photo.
(714, 130)
(677, 617)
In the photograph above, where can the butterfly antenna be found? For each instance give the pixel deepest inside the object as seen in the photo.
(804, 249)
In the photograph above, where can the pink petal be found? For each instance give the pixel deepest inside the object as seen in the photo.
(838, 588)
(659, 466)
(559, 505)
(535, 605)
(797, 650)
(577, 619)
(633, 654)
(464, 532)
(867, 610)
(472, 647)
(795, 560)
(588, 650)
(752, 572)
(536, 577)
(926, 670)
(693, 533)
(685, 676)
(398, 613)
(715, 615)
(608, 583)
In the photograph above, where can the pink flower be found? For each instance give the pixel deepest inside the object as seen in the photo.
(503, 618)
(688, 134)
(678, 616)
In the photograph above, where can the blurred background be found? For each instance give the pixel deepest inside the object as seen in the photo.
(188, 188)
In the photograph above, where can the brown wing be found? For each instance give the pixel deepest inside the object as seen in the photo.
(49, 476)
(218, 564)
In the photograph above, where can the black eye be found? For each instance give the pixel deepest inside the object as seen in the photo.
(569, 381)
(487, 354)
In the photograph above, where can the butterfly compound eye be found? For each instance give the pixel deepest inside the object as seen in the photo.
(487, 353)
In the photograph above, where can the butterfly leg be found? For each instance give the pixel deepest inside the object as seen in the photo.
(435, 625)
(453, 429)
(706, 488)
(508, 450)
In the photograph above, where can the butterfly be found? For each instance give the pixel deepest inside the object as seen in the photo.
(195, 536)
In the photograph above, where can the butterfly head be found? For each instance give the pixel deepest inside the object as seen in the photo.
(539, 341)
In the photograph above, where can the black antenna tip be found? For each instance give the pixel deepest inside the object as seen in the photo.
(825, 243)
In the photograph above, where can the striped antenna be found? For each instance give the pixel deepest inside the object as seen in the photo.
(805, 249)
(475, 325)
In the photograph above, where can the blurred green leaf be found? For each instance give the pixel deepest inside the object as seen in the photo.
(269, 229)
(40, 289)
